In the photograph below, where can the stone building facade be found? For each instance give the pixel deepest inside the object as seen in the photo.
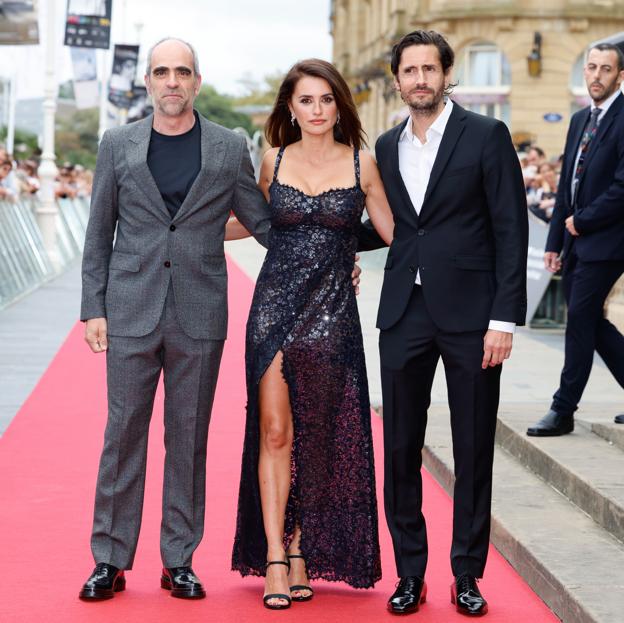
(492, 40)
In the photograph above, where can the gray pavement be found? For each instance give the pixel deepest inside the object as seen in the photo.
(31, 331)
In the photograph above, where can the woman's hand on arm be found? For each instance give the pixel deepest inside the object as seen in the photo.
(377, 204)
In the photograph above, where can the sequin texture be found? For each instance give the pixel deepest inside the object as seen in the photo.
(304, 305)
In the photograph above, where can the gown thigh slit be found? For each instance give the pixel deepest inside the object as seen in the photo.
(304, 307)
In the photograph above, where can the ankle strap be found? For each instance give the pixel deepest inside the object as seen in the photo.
(295, 556)
(278, 562)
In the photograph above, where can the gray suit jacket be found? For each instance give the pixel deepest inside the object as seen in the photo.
(127, 282)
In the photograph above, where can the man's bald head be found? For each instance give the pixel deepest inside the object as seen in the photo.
(172, 78)
(168, 41)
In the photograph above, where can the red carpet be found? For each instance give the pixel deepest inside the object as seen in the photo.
(48, 465)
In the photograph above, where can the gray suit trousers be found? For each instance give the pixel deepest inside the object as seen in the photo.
(190, 368)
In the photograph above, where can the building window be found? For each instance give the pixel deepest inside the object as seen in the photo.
(484, 76)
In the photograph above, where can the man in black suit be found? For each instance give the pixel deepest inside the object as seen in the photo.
(587, 232)
(454, 287)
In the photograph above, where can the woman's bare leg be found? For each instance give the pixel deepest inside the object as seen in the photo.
(276, 437)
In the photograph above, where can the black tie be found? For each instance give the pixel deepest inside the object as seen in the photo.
(590, 131)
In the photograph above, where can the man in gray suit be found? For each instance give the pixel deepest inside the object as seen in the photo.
(154, 299)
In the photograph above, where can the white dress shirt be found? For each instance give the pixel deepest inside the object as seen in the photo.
(415, 164)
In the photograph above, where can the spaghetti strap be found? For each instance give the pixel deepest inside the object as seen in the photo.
(278, 159)
(356, 164)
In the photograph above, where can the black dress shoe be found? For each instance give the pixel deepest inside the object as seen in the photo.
(182, 582)
(410, 593)
(619, 419)
(104, 582)
(466, 596)
(552, 424)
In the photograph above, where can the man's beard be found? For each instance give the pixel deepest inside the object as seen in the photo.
(173, 108)
(428, 106)
(609, 90)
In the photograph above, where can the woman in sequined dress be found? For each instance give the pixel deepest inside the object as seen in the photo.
(307, 505)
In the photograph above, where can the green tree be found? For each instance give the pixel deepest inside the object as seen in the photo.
(77, 138)
(26, 144)
(66, 90)
(220, 109)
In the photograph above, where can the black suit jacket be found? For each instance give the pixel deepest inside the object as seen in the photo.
(470, 240)
(599, 216)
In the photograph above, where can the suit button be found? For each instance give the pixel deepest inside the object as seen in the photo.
(412, 269)
(421, 232)
(167, 264)
(172, 228)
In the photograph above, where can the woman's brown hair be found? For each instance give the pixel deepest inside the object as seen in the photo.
(279, 130)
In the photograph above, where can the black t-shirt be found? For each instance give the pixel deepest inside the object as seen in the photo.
(175, 162)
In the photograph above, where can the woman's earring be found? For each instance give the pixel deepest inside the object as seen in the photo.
(338, 119)
(292, 118)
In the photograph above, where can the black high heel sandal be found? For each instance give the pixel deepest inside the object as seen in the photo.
(300, 587)
(286, 598)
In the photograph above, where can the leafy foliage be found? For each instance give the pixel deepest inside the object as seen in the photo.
(220, 109)
(77, 138)
(26, 144)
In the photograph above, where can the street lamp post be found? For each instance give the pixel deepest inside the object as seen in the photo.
(47, 212)
(104, 57)
(10, 139)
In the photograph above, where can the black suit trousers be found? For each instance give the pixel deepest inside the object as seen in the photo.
(586, 286)
(410, 351)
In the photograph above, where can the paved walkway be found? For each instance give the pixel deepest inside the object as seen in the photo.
(31, 332)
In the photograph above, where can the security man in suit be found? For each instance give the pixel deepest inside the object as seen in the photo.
(587, 235)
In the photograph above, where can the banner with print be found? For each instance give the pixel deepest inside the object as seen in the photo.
(86, 86)
(19, 23)
(121, 85)
(88, 23)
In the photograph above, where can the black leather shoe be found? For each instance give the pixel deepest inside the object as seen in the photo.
(182, 582)
(104, 582)
(552, 424)
(410, 593)
(619, 419)
(466, 596)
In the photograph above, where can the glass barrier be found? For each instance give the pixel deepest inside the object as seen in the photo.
(24, 261)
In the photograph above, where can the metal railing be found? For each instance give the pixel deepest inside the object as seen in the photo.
(24, 261)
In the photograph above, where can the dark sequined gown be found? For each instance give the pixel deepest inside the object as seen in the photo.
(304, 305)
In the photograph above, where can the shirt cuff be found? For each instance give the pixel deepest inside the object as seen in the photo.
(499, 325)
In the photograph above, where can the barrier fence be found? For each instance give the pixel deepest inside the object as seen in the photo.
(24, 261)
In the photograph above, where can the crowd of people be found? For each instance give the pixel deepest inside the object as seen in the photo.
(541, 178)
(21, 178)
